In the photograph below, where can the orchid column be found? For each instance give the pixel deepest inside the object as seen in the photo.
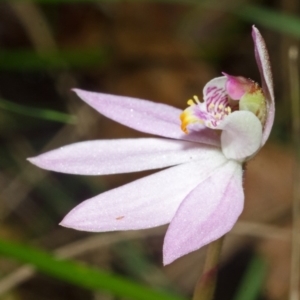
(201, 193)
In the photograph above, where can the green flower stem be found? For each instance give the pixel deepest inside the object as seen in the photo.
(205, 287)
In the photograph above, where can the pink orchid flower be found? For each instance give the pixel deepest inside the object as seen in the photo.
(201, 193)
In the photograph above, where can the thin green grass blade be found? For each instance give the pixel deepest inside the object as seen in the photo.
(80, 274)
(29, 60)
(252, 282)
(278, 21)
(45, 114)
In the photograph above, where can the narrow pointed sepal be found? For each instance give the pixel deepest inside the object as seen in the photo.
(102, 157)
(207, 213)
(148, 202)
(264, 66)
(145, 116)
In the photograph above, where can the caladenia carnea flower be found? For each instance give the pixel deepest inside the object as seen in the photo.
(234, 105)
(201, 193)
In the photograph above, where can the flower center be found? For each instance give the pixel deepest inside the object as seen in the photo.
(222, 96)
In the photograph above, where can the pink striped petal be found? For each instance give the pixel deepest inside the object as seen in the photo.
(144, 203)
(207, 213)
(215, 88)
(264, 66)
(120, 156)
(146, 116)
(241, 135)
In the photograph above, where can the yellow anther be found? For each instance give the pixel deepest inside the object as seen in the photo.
(221, 106)
(211, 106)
(196, 99)
(190, 102)
(228, 109)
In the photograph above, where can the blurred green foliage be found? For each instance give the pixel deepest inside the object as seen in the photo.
(80, 274)
(29, 60)
(252, 282)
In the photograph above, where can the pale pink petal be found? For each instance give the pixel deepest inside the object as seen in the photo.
(146, 116)
(264, 66)
(144, 203)
(241, 135)
(207, 213)
(119, 156)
